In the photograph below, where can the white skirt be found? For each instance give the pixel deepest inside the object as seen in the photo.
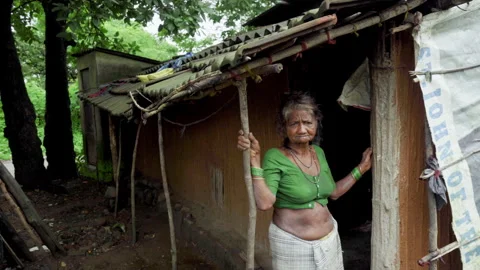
(290, 252)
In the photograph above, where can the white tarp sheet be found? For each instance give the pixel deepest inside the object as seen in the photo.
(356, 91)
(449, 40)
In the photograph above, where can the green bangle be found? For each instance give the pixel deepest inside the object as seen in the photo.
(356, 173)
(257, 171)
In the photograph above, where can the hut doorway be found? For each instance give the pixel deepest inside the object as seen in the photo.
(345, 135)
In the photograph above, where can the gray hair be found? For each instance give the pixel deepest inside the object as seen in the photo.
(298, 101)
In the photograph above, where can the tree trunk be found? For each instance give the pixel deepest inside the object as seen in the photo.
(58, 139)
(20, 130)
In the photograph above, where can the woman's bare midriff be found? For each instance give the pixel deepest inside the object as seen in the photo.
(307, 224)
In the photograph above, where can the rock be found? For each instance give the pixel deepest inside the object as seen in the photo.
(110, 192)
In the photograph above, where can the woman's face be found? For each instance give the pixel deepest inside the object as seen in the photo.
(301, 127)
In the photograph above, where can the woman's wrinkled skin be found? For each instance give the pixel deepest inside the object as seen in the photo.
(307, 224)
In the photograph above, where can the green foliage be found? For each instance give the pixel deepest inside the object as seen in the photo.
(4, 148)
(35, 77)
(89, 24)
(134, 33)
(36, 93)
(189, 44)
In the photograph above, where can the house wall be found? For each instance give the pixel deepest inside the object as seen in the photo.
(413, 200)
(204, 167)
(405, 110)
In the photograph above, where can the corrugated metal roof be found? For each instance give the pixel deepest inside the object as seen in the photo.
(229, 53)
(260, 47)
(117, 105)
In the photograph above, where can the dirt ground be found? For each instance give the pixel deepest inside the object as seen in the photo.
(95, 239)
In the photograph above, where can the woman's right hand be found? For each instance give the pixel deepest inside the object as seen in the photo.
(251, 143)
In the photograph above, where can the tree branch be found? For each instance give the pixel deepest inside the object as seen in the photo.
(23, 4)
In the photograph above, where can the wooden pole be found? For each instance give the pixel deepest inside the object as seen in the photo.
(21, 216)
(132, 185)
(252, 208)
(385, 240)
(113, 151)
(31, 214)
(119, 163)
(10, 250)
(215, 83)
(173, 248)
(432, 205)
(10, 235)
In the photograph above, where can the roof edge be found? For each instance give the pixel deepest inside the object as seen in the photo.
(117, 53)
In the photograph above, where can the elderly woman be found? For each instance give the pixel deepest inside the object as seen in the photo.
(296, 181)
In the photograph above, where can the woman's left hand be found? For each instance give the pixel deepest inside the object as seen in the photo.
(366, 162)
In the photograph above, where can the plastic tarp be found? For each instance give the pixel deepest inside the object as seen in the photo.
(448, 41)
(356, 91)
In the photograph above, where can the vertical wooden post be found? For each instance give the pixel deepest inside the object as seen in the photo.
(119, 164)
(432, 205)
(113, 151)
(252, 209)
(385, 143)
(132, 184)
(173, 248)
(399, 204)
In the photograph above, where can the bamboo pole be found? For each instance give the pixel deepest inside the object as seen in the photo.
(215, 83)
(432, 205)
(117, 183)
(20, 215)
(31, 214)
(252, 208)
(113, 151)
(308, 42)
(10, 250)
(173, 248)
(321, 38)
(132, 185)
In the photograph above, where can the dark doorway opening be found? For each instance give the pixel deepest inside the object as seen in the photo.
(345, 135)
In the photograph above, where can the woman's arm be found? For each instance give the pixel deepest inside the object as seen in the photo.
(264, 197)
(348, 181)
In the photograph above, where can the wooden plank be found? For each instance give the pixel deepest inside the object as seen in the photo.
(31, 214)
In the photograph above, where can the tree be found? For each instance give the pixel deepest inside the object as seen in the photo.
(80, 23)
(20, 130)
(58, 140)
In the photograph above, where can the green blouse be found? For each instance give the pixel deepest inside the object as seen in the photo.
(289, 185)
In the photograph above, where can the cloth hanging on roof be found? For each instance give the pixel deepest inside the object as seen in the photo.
(356, 91)
(156, 75)
(175, 63)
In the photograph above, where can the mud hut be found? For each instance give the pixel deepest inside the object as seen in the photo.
(197, 96)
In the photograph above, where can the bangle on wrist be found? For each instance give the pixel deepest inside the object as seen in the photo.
(356, 173)
(258, 178)
(257, 172)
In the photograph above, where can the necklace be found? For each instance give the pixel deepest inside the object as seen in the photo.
(316, 179)
(297, 158)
